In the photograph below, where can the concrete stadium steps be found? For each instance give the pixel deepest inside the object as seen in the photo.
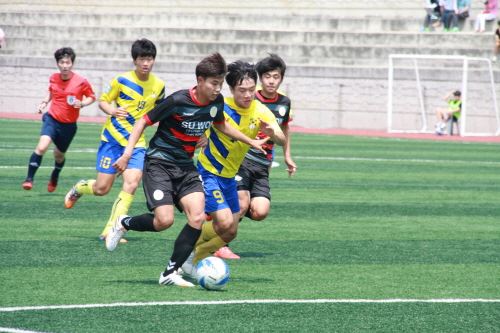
(163, 35)
(294, 52)
(337, 7)
(264, 21)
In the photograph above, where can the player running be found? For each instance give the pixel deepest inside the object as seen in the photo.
(130, 96)
(68, 94)
(254, 193)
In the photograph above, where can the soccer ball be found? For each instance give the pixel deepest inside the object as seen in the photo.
(212, 273)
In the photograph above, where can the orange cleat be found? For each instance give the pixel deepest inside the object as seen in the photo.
(226, 253)
(51, 186)
(28, 185)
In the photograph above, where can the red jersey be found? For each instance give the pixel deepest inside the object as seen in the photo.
(63, 93)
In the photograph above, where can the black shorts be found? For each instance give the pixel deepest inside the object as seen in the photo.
(254, 177)
(165, 183)
(61, 133)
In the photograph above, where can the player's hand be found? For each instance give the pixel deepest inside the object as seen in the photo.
(42, 106)
(120, 113)
(258, 143)
(202, 142)
(121, 163)
(78, 104)
(265, 128)
(291, 167)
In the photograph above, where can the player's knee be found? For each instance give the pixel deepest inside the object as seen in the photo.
(197, 220)
(163, 222)
(100, 190)
(258, 215)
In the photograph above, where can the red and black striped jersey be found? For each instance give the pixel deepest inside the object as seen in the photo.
(280, 106)
(182, 120)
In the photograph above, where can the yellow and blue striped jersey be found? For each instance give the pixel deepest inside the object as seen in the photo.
(222, 155)
(137, 97)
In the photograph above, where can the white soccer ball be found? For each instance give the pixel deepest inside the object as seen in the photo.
(212, 273)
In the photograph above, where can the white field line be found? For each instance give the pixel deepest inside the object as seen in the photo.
(251, 301)
(15, 330)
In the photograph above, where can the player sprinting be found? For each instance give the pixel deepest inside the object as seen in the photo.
(68, 93)
(130, 96)
(170, 177)
(221, 158)
(254, 192)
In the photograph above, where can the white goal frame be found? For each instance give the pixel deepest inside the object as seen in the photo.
(463, 119)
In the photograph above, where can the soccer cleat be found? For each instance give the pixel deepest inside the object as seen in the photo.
(115, 234)
(174, 279)
(188, 269)
(72, 196)
(226, 253)
(27, 184)
(51, 186)
(103, 238)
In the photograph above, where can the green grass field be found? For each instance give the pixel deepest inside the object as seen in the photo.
(372, 235)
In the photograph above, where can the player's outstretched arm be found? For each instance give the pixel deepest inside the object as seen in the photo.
(109, 109)
(233, 133)
(273, 131)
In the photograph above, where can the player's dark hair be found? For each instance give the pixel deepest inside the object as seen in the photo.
(271, 63)
(65, 52)
(143, 48)
(457, 93)
(211, 66)
(239, 71)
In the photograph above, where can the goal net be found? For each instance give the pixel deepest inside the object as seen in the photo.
(418, 84)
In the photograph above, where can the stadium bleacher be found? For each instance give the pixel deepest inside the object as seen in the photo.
(337, 51)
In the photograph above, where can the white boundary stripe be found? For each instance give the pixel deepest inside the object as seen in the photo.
(15, 330)
(251, 301)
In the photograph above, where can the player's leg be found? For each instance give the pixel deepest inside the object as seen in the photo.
(260, 193)
(259, 208)
(131, 179)
(47, 132)
(62, 141)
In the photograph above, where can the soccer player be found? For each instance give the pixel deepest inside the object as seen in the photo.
(221, 158)
(68, 94)
(254, 193)
(130, 96)
(170, 177)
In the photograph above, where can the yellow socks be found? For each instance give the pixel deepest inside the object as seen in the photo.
(207, 243)
(85, 187)
(120, 207)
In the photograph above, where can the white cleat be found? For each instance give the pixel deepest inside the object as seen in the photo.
(115, 234)
(188, 269)
(174, 279)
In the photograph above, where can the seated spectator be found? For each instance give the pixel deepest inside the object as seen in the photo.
(496, 51)
(463, 8)
(433, 15)
(489, 13)
(450, 9)
(451, 113)
(2, 39)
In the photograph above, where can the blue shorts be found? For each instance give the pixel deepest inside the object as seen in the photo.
(61, 133)
(108, 153)
(220, 192)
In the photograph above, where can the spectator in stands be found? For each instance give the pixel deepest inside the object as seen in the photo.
(450, 9)
(2, 39)
(496, 51)
(489, 13)
(443, 115)
(68, 94)
(463, 8)
(433, 13)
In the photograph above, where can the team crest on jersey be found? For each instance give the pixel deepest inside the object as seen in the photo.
(253, 123)
(281, 110)
(213, 111)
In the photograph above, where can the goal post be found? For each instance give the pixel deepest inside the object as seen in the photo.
(416, 84)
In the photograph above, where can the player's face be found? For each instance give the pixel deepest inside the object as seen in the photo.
(65, 65)
(271, 82)
(209, 88)
(244, 93)
(144, 65)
